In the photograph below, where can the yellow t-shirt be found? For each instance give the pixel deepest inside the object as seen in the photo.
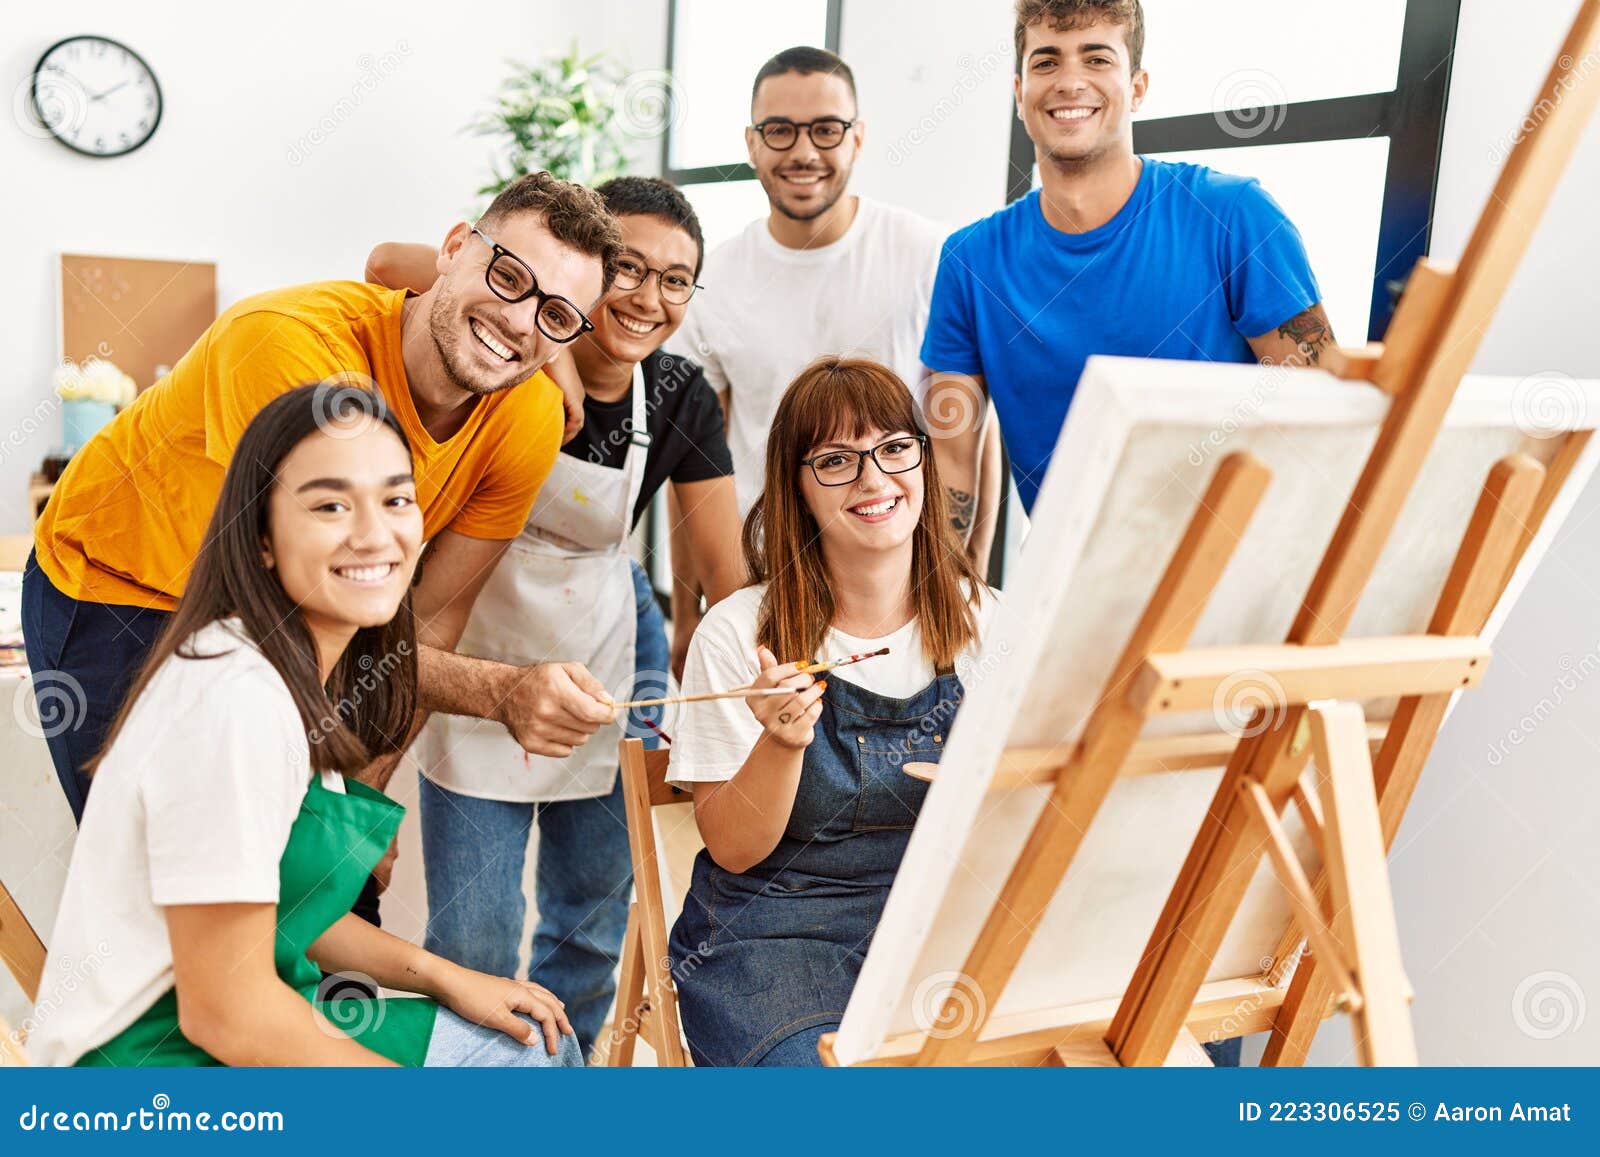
(126, 519)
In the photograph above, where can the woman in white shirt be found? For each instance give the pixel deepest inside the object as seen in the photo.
(214, 871)
(806, 797)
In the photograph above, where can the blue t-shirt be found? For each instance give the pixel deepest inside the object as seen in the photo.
(1195, 263)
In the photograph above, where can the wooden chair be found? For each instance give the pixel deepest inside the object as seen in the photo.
(647, 1000)
(23, 954)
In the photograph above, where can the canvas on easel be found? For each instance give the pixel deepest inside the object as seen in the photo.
(1248, 599)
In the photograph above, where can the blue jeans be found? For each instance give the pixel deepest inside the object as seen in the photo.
(473, 851)
(84, 656)
(457, 1043)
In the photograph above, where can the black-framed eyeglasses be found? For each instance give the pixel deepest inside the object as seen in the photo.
(780, 133)
(842, 467)
(510, 279)
(676, 281)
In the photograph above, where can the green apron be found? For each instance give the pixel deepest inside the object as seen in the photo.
(334, 844)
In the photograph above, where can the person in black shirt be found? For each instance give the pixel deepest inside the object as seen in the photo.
(649, 419)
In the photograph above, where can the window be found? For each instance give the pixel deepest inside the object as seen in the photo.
(1342, 125)
(714, 49)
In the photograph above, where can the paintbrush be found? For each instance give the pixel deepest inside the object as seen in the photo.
(740, 693)
(755, 692)
(830, 664)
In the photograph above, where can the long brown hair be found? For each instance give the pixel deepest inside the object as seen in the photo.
(849, 397)
(365, 708)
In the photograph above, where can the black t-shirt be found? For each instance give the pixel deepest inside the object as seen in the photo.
(683, 418)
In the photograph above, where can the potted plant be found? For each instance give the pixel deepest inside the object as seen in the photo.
(572, 116)
(91, 393)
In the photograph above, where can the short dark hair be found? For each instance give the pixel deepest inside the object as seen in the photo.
(805, 60)
(653, 197)
(1065, 15)
(575, 216)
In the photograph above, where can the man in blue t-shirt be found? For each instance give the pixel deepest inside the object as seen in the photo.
(1115, 254)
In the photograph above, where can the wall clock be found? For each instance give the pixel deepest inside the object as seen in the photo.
(96, 96)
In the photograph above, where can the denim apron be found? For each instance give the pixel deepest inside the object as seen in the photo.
(764, 954)
(333, 846)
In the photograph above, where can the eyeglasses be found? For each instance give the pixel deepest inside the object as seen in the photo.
(676, 281)
(510, 279)
(842, 467)
(780, 133)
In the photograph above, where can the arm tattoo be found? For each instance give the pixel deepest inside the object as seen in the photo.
(1310, 334)
(962, 508)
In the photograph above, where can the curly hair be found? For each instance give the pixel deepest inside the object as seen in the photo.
(575, 216)
(1065, 15)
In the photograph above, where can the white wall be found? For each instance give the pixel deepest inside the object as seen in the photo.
(1495, 867)
(235, 174)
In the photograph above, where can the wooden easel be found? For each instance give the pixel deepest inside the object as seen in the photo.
(1357, 803)
(647, 999)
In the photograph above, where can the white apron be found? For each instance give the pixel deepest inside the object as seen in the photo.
(563, 592)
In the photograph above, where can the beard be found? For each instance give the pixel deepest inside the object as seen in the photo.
(773, 185)
(445, 322)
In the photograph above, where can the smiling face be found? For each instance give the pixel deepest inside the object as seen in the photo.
(632, 323)
(487, 344)
(803, 182)
(344, 528)
(1076, 94)
(878, 511)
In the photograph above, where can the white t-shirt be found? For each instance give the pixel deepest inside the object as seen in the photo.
(193, 805)
(769, 311)
(711, 740)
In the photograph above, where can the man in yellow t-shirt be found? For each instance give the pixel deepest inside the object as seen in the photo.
(459, 365)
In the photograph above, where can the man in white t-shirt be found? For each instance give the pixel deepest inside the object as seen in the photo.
(825, 272)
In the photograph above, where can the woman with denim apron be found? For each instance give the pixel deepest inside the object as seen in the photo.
(803, 800)
(567, 589)
(207, 896)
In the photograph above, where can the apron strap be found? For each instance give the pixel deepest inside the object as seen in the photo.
(638, 451)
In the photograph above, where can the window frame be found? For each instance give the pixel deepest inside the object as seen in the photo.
(740, 170)
(1411, 115)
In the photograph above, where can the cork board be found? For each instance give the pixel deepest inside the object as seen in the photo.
(136, 313)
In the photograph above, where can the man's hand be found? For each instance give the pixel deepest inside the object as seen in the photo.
(552, 708)
(564, 373)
